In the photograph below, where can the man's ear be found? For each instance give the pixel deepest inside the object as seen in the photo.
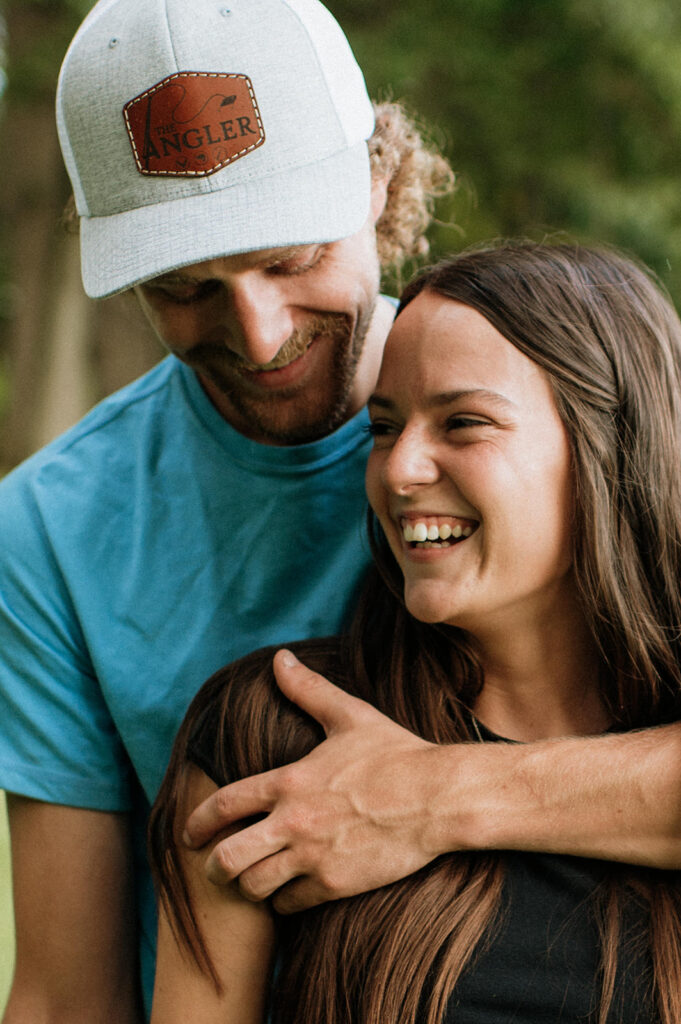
(379, 196)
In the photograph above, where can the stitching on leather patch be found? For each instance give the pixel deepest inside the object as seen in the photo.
(193, 123)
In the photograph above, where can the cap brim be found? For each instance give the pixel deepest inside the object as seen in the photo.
(321, 202)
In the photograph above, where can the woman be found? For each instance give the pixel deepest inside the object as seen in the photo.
(527, 533)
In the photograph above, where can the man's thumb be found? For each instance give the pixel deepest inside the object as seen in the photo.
(333, 708)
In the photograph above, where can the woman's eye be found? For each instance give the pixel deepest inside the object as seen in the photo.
(462, 422)
(378, 428)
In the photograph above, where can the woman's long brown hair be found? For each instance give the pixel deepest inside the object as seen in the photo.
(610, 344)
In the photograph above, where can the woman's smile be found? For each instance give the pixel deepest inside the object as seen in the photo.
(428, 535)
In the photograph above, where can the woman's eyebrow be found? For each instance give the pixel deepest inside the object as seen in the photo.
(447, 397)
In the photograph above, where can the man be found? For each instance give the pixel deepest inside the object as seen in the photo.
(219, 161)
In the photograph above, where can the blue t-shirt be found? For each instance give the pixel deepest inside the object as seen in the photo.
(141, 551)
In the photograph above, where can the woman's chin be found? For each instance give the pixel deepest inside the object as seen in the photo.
(428, 607)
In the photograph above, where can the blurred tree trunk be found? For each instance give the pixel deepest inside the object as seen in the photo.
(61, 351)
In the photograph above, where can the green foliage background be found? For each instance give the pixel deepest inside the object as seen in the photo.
(560, 116)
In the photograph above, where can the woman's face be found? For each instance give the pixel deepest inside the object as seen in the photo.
(470, 472)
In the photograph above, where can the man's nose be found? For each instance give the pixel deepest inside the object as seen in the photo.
(257, 321)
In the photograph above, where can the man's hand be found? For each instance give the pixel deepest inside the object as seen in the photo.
(374, 802)
(349, 817)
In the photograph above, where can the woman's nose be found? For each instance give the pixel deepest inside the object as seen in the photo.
(411, 462)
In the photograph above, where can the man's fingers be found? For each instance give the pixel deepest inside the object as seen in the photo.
(251, 849)
(332, 707)
(243, 799)
(264, 878)
(300, 894)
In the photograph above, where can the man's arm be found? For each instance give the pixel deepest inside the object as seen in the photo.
(613, 797)
(76, 960)
(374, 802)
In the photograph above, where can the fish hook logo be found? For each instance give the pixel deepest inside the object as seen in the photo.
(193, 123)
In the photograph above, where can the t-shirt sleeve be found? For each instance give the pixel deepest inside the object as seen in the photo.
(58, 742)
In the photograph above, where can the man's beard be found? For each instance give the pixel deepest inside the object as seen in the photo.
(300, 413)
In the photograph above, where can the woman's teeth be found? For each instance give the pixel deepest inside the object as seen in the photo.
(429, 534)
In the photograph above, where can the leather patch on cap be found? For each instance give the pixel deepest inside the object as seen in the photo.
(193, 123)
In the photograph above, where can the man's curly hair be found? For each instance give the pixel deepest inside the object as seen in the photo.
(417, 175)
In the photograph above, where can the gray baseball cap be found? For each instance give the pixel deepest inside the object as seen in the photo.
(194, 129)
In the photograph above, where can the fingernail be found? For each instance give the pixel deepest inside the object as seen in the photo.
(186, 838)
(289, 659)
(213, 874)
